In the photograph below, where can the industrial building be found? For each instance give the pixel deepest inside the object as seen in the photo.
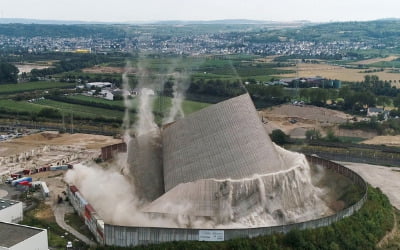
(98, 84)
(11, 211)
(21, 237)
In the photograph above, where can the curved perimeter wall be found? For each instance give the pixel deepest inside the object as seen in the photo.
(133, 236)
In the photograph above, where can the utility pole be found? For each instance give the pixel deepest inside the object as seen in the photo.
(63, 124)
(297, 80)
(72, 122)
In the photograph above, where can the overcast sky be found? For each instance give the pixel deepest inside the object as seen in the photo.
(152, 10)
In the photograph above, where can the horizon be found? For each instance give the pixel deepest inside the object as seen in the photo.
(150, 11)
(19, 20)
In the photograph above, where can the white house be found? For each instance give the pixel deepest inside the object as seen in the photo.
(106, 94)
(374, 111)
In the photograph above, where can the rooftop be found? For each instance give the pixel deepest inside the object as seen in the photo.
(12, 234)
(7, 203)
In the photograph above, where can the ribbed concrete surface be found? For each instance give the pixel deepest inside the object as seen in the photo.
(226, 140)
(146, 166)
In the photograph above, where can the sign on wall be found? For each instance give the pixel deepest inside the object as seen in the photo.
(211, 235)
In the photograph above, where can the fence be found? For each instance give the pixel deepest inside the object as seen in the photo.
(133, 236)
(360, 156)
(108, 152)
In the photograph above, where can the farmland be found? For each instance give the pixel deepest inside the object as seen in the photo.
(337, 72)
(81, 110)
(161, 105)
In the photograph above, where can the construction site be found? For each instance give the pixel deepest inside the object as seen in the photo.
(44, 157)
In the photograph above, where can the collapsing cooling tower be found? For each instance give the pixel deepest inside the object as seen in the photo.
(219, 163)
(145, 164)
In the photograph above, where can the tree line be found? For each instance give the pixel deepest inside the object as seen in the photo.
(8, 73)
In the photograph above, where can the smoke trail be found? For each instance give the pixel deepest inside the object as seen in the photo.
(181, 84)
(145, 123)
(126, 90)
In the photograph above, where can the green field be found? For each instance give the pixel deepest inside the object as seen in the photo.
(81, 110)
(161, 104)
(32, 86)
(20, 106)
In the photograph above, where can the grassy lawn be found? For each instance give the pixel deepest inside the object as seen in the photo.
(31, 86)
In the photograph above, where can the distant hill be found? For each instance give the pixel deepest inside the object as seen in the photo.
(383, 30)
(39, 21)
(169, 22)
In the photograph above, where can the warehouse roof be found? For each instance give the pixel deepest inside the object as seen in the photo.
(12, 234)
(7, 203)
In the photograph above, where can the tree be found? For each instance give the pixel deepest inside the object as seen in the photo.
(383, 101)
(8, 73)
(279, 137)
(318, 96)
(313, 134)
(50, 113)
(396, 101)
(330, 136)
(305, 94)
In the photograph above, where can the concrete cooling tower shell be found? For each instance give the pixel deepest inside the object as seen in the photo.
(145, 162)
(226, 140)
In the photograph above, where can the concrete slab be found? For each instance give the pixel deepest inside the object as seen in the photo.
(386, 178)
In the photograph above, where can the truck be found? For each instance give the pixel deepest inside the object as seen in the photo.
(15, 182)
(45, 189)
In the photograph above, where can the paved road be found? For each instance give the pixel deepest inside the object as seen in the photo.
(59, 212)
(386, 178)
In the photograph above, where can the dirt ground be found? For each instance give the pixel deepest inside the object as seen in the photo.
(386, 178)
(30, 142)
(376, 60)
(336, 72)
(296, 120)
(75, 147)
(44, 213)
